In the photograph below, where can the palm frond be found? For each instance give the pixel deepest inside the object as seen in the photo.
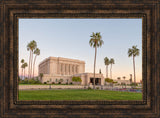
(95, 40)
(134, 51)
(106, 61)
(112, 61)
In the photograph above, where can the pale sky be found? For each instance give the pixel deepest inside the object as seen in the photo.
(69, 38)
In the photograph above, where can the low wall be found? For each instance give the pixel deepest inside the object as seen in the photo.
(28, 87)
(39, 87)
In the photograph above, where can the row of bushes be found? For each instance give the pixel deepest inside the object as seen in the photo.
(74, 79)
(36, 81)
(29, 81)
(111, 81)
(58, 83)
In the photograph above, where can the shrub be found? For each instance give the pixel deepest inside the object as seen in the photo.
(71, 83)
(114, 82)
(53, 82)
(97, 88)
(45, 82)
(31, 81)
(59, 82)
(89, 88)
(133, 84)
(76, 79)
(109, 80)
(25, 81)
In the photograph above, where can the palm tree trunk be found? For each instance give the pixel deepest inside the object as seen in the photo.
(106, 71)
(94, 67)
(111, 72)
(29, 65)
(34, 65)
(134, 71)
(24, 73)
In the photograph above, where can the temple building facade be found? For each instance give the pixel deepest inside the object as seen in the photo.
(55, 69)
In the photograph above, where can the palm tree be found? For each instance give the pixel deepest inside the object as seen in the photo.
(30, 47)
(95, 42)
(36, 52)
(134, 51)
(111, 62)
(106, 62)
(22, 61)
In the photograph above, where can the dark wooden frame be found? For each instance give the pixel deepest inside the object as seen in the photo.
(11, 10)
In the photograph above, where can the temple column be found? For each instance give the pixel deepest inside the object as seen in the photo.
(77, 69)
(67, 69)
(70, 69)
(74, 71)
(59, 68)
(63, 69)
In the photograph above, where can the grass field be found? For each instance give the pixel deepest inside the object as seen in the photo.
(77, 95)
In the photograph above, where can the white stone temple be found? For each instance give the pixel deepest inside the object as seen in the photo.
(56, 68)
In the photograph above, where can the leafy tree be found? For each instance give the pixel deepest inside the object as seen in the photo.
(95, 42)
(106, 62)
(111, 62)
(133, 52)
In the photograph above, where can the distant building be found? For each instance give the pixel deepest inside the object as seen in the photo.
(56, 68)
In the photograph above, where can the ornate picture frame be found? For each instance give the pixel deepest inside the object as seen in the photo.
(12, 10)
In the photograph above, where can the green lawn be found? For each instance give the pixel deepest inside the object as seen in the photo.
(77, 95)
